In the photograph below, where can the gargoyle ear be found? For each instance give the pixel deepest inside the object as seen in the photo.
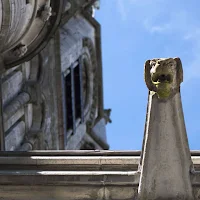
(147, 76)
(179, 70)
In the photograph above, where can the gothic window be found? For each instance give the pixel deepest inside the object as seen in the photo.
(73, 83)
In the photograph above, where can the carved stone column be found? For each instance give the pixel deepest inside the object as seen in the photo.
(166, 163)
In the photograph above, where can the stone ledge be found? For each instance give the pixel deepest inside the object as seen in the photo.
(80, 153)
(74, 163)
(49, 175)
(70, 192)
(82, 178)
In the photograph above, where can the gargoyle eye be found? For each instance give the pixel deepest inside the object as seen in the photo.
(152, 63)
(171, 64)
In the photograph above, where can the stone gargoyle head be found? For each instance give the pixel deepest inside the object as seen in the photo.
(163, 76)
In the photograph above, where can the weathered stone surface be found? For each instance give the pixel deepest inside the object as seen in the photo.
(14, 138)
(16, 104)
(28, 115)
(100, 129)
(97, 176)
(13, 119)
(9, 71)
(166, 163)
(47, 88)
(76, 138)
(41, 77)
(24, 30)
(70, 51)
(89, 143)
(69, 192)
(11, 86)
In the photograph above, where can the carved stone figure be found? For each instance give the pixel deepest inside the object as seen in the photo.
(163, 76)
(165, 161)
(46, 13)
(107, 113)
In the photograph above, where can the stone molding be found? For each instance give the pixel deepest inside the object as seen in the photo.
(92, 69)
(56, 174)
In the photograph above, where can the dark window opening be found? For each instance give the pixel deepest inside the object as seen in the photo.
(68, 99)
(77, 91)
(73, 97)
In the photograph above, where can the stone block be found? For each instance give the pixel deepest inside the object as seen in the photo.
(11, 86)
(100, 130)
(14, 138)
(76, 138)
(10, 122)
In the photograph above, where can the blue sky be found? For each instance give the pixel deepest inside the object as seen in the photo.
(132, 32)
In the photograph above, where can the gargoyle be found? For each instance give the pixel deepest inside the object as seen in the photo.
(166, 165)
(163, 76)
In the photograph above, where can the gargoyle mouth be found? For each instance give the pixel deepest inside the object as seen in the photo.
(162, 78)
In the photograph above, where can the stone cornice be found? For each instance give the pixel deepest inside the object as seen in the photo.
(57, 174)
(70, 159)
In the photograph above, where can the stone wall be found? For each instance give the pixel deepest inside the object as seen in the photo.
(14, 100)
(36, 99)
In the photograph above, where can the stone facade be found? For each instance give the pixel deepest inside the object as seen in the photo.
(164, 169)
(51, 76)
(51, 98)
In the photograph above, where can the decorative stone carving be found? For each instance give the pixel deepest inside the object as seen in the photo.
(20, 50)
(85, 80)
(163, 76)
(25, 23)
(165, 161)
(67, 6)
(107, 113)
(93, 83)
(46, 13)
